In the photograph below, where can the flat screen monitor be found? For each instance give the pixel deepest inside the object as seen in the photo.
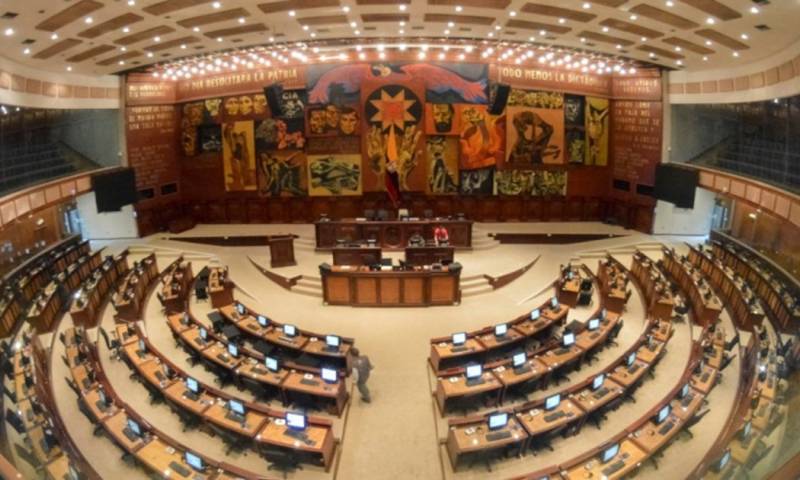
(134, 427)
(501, 329)
(603, 314)
(663, 414)
(748, 427)
(192, 385)
(289, 330)
(262, 320)
(459, 338)
(271, 364)
(610, 452)
(631, 358)
(535, 314)
(329, 375)
(142, 346)
(554, 302)
(474, 371)
(519, 359)
(598, 381)
(193, 461)
(497, 420)
(570, 275)
(685, 391)
(240, 308)
(295, 421)
(233, 350)
(723, 462)
(72, 473)
(568, 340)
(594, 324)
(332, 341)
(204, 334)
(236, 407)
(552, 402)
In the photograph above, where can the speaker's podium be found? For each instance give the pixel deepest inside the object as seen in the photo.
(281, 251)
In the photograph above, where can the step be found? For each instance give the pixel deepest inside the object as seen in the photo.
(474, 282)
(476, 291)
(308, 283)
(307, 291)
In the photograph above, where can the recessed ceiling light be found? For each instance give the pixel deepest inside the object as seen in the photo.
(512, 13)
(754, 10)
(292, 13)
(131, 3)
(458, 8)
(54, 36)
(196, 29)
(562, 20)
(583, 39)
(123, 49)
(27, 51)
(353, 24)
(216, 5)
(677, 49)
(219, 39)
(149, 54)
(744, 36)
(605, 29)
(346, 9)
(710, 21)
(679, 62)
(587, 5)
(305, 27)
(69, 68)
(402, 7)
(447, 32)
(490, 34)
(735, 54)
(183, 46)
(88, 20)
(709, 43)
(531, 39)
(313, 35)
(156, 39)
(241, 20)
(271, 39)
(451, 24)
(644, 39)
(651, 55)
(633, 17)
(401, 32)
(497, 27)
(126, 29)
(542, 33)
(705, 59)
(670, 3)
(122, 62)
(357, 32)
(8, 32)
(619, 47)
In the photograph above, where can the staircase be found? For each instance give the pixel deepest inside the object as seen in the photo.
(481, 239)
(307, 285)
(475, 285)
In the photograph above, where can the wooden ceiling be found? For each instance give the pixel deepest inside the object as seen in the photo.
(94, 36)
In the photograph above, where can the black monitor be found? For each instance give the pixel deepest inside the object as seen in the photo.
(192, 385)
(497, 420)
(603, 314)
(551, 403)
(609, 453)
(240, 309)
(329, 375)
(236, 406)
(142, 346)
(663, 414)
(72, 473)
(746, 430)
(535, 313)
(233, 349)
(272, 364)
(134, 427)
(332, 341)
(554, 303)
(194, 461)
(568, 340)
(722, 462)
(204, 334)
(289, 330)
(519, 359)
(101, 394)
(501, 329)
(684, 391)
(262, 320)
(594, 324)
(474, 371)
(631, 359)
(296, 421)
(598, 381)
(459, 338)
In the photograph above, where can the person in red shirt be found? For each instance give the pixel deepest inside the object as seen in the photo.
(441, 236)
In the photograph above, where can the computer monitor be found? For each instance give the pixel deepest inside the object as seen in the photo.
(295, 421)
(329, 375)
(501, 329)
(134, 428)
(474, 371)
(192, 385)
(332, 341)
(271, 364)
(240, 308)
(72, 473)
(603, 314)
(663, 414)
(497, 420)
(142, 346)
(610, 452)
(236, 407)
(193, 461)
(552, 402)
(289, 330)
(102, 395)
(519, 359)
(570, 275)
(233, 350)
(598, 381)
(459, 338)
(631, 358)
(594, 324)
(723, 462)
(262, 320)
(748, 427)
(204, 334)
(699, 367)
(568, 340)
(684, 391)
(554, 302)
(535, 313)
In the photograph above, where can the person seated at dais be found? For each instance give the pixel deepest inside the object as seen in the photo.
(416, 240)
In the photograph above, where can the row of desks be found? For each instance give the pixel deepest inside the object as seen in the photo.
(613, 283)
(262, 425)
(705, 303)
(175, 286)
(155, 450)
(85, 308)
(129, 298)
(249, 366)
(658, 297)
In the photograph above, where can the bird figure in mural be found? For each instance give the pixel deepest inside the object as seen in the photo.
(435, 78)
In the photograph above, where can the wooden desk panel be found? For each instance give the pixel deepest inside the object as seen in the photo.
(359, 286)
(535, 423)
(455, 386)
(362, 255)
(633, 454)
(471, 437)
(389, 234)
(321, 440)
(429, 255)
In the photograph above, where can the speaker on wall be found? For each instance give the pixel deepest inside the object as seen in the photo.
(499, 98)
(114, 190)
(273, 93)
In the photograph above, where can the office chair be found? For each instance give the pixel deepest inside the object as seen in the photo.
(726, 360)
(9, 393)
(488, 456)
(628, 294)
(232, 441)
(284, 461)
(383, 214)
(427, 213)
(586, 284)
(612, 336)
(693, 421)
(369, 214)
(113, 345)
(585, 298)
(762, 450)
(732, 343)
(15, 421)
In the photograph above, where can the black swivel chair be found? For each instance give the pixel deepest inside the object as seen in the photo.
(732, 343)
(383, 214)
(369, 214)
(284, 461)
(427, 213)
(726, 361)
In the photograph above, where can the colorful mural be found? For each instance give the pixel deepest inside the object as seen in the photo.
(334, 175)
(482, 137)
(535, 137)
(238, 155)
(282, 173)
(442, 164)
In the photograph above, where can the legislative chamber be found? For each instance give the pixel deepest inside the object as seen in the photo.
(400, 240)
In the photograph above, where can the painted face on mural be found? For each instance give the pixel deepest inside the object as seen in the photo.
(316, 121)
(442, 117)
(259, 104)
(332, 116)
(232, 106)
(245, 105)
(212, 106)
(348, 121)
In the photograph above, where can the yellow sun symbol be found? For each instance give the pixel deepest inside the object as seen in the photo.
(392, 110)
